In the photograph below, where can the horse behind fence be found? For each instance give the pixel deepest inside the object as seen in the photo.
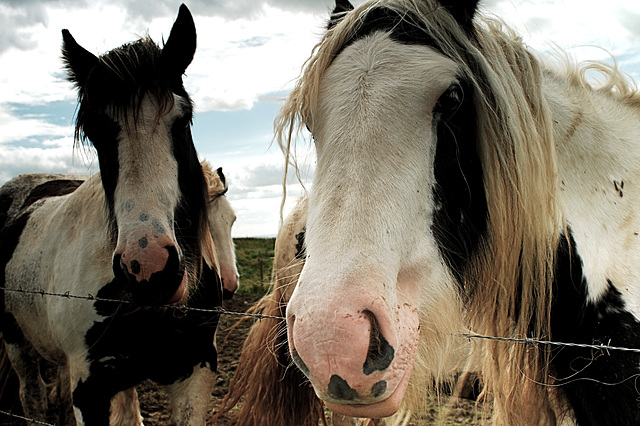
(137, 232)
(462, 182)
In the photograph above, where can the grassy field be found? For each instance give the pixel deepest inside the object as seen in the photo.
(254, 257)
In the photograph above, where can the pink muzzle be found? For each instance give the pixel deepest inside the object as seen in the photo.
(150, 263)
(357, 352)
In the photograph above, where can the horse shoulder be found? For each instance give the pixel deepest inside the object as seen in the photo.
(598, 154)
(46, 258)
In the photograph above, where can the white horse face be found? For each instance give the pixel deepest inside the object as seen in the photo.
(221, 220)
(136, 113)
(374, 262)
(145, 199)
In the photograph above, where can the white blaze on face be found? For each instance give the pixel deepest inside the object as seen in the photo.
(372, 260)
(147, 194)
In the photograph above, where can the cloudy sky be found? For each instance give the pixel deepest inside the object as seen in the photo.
(249, 54)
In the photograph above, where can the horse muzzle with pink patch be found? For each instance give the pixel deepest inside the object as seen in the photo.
(357, 354)
(150, 263)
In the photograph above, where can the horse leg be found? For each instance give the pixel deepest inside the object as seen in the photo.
(25, 360)
(190, 397)
(92, 400)
(125, 409)
(60, 396)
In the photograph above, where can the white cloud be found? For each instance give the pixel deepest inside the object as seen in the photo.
(59, 158)
(585, 29)
(238, 61)
(15, 128)
(246, 49)
(255, 191)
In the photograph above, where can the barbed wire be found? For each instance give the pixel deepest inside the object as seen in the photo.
(529, 340)
(91, 297)
(17, 416)
(221, 311)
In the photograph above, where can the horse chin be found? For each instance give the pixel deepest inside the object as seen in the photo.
(180, 293)
(385, 408)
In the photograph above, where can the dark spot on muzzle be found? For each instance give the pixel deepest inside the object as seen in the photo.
(340, 389)
(380, 353)
(158, 226)
(129, 205)
(143, 242)
(378, 389)
(160, 286)
(227, 294)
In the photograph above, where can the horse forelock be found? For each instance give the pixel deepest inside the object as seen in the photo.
(122, 79)
(513, 268)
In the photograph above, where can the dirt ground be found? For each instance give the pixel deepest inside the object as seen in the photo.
(154, 402)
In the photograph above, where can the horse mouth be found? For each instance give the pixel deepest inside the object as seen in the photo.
(384, 408)
(165, 286)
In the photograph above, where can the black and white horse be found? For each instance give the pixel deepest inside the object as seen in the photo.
(136, 232)
(464, 183)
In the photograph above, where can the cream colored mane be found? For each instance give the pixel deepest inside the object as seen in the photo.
(512, 292)
(215, 187)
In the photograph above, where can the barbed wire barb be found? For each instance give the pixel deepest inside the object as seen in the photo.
(221, 311)
(90, 297)
(529, 340)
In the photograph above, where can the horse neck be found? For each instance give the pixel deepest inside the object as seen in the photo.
(598, 151)
(596, 134)
(89, 203)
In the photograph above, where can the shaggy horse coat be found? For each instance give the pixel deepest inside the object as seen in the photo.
(278, 394)
(138, 232)
(23, 191)
(463, 184)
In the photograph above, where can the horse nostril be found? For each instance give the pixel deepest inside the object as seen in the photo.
(380, 353)
(300, 363)
(340, 389)
(119, 267)
(135, 267)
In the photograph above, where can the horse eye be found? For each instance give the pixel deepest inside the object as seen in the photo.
(181, 123)
(450, 100)
(100, 128)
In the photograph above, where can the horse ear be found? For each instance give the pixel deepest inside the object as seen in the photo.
(179, 49)
(341, 9)
(78, 61)
(462, 10)
(221, 176)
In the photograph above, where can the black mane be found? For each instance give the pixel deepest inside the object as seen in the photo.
(122, 78)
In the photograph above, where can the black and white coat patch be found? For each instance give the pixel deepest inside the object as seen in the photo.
(122, 344)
